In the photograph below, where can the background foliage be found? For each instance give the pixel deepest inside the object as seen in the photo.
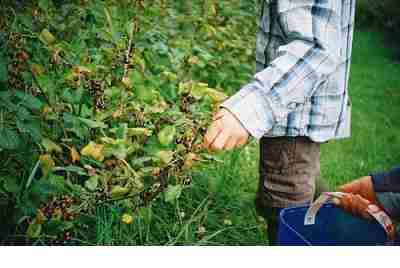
(385, 16)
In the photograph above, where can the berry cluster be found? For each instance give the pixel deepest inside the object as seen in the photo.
(19, 58)
(59, 208)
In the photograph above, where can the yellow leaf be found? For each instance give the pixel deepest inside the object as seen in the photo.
(117, 113)
(46, 110)
(126, 81)
(170, 76)
(47, 163)
(37, 69)
(119, 191)
(189, 160)
(34, 230)
(127, 218)
(139, 132)
(75, 157)
(47, 37)
(94, 150)
(193, 60)
(228, 222)
(216, 95)
(40, 217)
(165, 157)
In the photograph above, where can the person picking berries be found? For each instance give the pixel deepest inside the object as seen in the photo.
(297, 99)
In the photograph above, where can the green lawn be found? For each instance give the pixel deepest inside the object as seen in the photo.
(218, 207)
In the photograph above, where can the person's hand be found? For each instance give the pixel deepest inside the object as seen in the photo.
(360, 194)
(225, 132)
(363, 187)
(355, 204)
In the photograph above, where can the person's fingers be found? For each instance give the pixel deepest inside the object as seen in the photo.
(356, 208)
(362, 186)
(231, 143)
(242, 141)
(359, 206)
(212, 134)
(218, 115)
(355, 205)
(362, 205)
(352, 187)
(219, 143)
(345, 203)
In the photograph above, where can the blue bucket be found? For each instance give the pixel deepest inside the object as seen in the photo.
(333, 227)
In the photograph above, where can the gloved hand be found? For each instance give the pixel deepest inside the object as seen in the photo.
(361, 194)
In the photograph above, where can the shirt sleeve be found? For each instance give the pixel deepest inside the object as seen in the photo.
(311, 54)
(387, 188)
(390, 202)
(387, 181)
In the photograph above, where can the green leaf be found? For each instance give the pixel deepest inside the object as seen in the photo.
(92, 183)
(173, 193)
(73, 169)
(167, 135)
(91, 123)
(73, 96)
(3, 69)
(9, 139)
(42, 190)
(34, 230)
(75, 125)
(51, 146)
(29, 101)
(119, 191)
(47, 37)
(10, 185)
(58, 182)
(44, 4)
(23, 114)
(45, 83)
(139, 132)
(32, 128)
(165, 157)
(121, 131)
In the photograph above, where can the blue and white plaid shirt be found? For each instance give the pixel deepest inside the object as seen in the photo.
(303, 62)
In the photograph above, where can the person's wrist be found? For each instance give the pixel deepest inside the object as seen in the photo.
(226, 110)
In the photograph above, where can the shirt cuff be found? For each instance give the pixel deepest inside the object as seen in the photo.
(252, 110)
(390, 202)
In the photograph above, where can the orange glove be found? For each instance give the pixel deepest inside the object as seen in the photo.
(361, 195)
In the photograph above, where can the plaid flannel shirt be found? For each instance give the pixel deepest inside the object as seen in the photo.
(303, 55)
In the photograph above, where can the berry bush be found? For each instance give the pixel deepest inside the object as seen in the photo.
(108, 102)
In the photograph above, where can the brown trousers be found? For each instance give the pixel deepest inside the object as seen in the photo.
(289, 167)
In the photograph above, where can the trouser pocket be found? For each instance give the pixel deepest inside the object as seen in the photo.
(288, 170)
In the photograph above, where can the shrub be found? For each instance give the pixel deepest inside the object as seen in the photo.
(107, 101)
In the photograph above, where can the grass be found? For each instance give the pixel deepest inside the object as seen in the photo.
(218, 209)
